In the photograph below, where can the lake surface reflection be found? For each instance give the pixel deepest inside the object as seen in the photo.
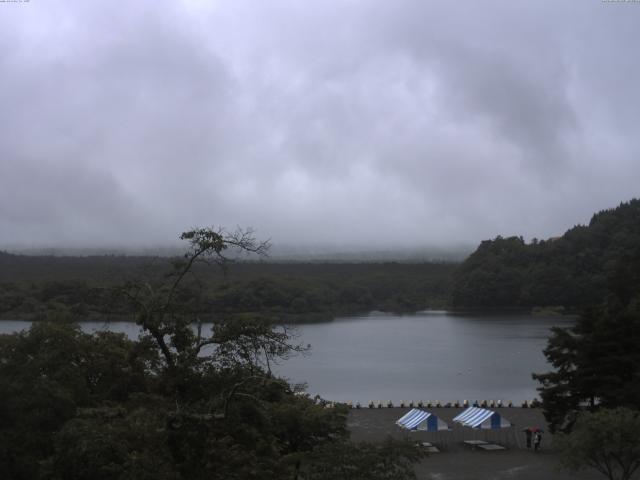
(423, 356)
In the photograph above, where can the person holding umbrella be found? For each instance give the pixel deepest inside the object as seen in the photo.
(537, 439)
(535, 434)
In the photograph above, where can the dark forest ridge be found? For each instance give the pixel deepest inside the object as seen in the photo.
(574, 271)
(82, 288)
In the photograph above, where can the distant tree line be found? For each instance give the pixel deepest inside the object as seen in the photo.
(81, 288)
(574, 271)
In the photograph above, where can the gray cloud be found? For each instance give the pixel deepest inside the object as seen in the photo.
(380, 123)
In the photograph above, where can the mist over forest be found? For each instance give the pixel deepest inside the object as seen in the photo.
(281, 253)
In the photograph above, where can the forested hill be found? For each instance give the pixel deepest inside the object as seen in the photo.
(82, 288)
(574, 271)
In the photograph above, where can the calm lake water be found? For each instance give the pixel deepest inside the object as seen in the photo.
(422, 356)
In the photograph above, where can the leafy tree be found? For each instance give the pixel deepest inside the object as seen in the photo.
(391, 460)
(112, 443)
(607, 441)
(596, 364)
(164, 309)
(225, 395)
(51, 372)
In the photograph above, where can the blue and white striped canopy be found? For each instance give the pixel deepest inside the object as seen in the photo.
(420, 420)
(476, 417)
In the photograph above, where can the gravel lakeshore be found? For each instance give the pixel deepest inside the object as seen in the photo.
(456, 461)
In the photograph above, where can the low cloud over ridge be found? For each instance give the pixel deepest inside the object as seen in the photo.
(360, 122)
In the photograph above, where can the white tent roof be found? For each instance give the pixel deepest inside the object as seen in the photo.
(417, 419)
(476, 417)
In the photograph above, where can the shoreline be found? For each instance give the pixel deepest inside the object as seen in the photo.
(457, 461)
(376, 424)
(294, 318)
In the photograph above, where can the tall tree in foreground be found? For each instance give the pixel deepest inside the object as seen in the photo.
(596, 364)
(230, 414)
(607, 441)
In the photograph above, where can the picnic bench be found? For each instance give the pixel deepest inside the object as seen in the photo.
(474, 443)
(491, 446)
(429, 447)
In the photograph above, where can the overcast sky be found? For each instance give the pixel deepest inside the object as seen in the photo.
(360, 122)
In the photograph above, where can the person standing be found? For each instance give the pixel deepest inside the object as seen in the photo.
(528, 433)
(537, 438)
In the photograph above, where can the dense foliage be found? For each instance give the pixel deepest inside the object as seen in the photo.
(178, 403)
(607, 441)
(79, 406)
(576, 270)
(596, 363)
(80, 288)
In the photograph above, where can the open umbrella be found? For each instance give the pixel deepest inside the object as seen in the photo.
(533, 430)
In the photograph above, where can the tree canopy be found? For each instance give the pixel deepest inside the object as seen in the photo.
(35, 288)
(575, 271)
(596, 363)
(607, 441)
